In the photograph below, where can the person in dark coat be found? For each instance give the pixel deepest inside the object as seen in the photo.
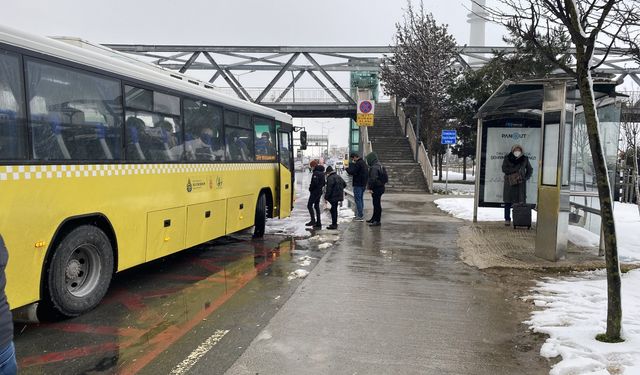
(375, 184)
(315, 190)
(359, 174)
(8, 364)
(517, 170)
(334, 194)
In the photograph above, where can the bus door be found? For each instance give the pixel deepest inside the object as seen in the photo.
(286, 172)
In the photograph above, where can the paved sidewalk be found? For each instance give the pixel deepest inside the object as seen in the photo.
(393, 300)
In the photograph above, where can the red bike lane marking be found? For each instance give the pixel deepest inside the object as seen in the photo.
(168, 337)
(134, 302)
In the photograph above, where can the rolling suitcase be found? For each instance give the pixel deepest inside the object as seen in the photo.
(521, 215)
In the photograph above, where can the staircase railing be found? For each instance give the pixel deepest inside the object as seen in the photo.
(407, 130)
(364, 139)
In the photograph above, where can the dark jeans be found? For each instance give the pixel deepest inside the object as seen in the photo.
(314, 204)
(507, 211)
(334, 212)
(358, 196)
(8, 365)
(377, 206)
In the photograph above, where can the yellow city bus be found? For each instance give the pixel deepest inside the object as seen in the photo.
(106, 164)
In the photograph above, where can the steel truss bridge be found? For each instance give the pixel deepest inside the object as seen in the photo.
(322, 67)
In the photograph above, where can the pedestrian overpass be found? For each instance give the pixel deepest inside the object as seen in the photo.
(303, 80)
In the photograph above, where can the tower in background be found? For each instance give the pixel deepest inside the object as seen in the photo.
(477, 25)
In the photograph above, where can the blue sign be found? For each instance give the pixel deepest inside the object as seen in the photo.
(449, 137)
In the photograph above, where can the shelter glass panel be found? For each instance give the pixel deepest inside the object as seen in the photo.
(550, 148)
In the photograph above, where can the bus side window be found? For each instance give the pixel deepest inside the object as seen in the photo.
(153, 130)
(265, 138)
(203, 131)
(73, 114)
(12, 129)
(239, 137)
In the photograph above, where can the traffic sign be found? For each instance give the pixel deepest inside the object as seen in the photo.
(365, 111)
(449, 137)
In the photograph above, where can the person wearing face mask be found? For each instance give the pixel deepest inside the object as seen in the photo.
(517, 170)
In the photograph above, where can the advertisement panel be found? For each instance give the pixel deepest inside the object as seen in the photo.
(497, 143)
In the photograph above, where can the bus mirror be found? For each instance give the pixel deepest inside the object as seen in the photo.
(303, 140)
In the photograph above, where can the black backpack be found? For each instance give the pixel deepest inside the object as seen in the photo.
(384, 177)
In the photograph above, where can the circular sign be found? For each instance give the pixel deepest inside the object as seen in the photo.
(365, 106)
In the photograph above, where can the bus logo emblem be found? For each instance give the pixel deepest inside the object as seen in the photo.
(189, 187)
(219, 182)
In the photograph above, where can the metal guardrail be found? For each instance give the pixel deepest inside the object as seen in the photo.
(407, 131)
(294, 95)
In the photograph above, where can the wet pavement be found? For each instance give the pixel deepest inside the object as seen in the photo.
(386, 300)
(155, 313)
(397, 299)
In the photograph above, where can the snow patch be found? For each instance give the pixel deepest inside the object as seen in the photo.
(298, 274)
(325, 245)
(626, 218)
(462, 208)
(574, 312)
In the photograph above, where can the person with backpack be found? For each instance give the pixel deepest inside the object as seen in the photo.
(378, 177)
(359, 173)
(315, 190)
(334, 194)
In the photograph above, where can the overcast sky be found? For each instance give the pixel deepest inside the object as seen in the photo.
(237, 22)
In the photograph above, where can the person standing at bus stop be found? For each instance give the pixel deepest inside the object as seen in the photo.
(517, 170)
(359, 174)
(8, 365)
(377, 179)
(315, 193)
(334, 194)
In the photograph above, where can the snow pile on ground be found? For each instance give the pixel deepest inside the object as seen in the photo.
(298, 274)
(325, 245)
(345, 214)
(291, 226)
(626, 217)
(574, 313)
(583, 237)
(462, 208)
(305, 261)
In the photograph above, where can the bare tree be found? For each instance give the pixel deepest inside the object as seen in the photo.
(589, 24)
(421, 66)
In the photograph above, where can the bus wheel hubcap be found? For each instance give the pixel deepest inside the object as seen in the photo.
(82, 271)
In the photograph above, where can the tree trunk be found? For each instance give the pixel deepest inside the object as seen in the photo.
(440, 158)
(635, 171)
(614, 310)
(464, 168)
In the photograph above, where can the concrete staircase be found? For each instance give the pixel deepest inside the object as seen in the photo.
(394, 152)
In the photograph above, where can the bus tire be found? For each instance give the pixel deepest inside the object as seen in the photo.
(261, 216)
(79, 272)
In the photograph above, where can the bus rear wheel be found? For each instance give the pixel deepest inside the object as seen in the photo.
(79, 272)
(261, 216)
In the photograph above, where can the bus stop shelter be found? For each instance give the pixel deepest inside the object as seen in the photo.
(545, 117)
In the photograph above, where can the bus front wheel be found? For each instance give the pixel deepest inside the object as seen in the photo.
(261, 216)
(80, 271)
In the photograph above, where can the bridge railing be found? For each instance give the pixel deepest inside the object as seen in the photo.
(297, 95)
(407, 130)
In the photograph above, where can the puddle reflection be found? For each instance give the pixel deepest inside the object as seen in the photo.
(148, 308)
